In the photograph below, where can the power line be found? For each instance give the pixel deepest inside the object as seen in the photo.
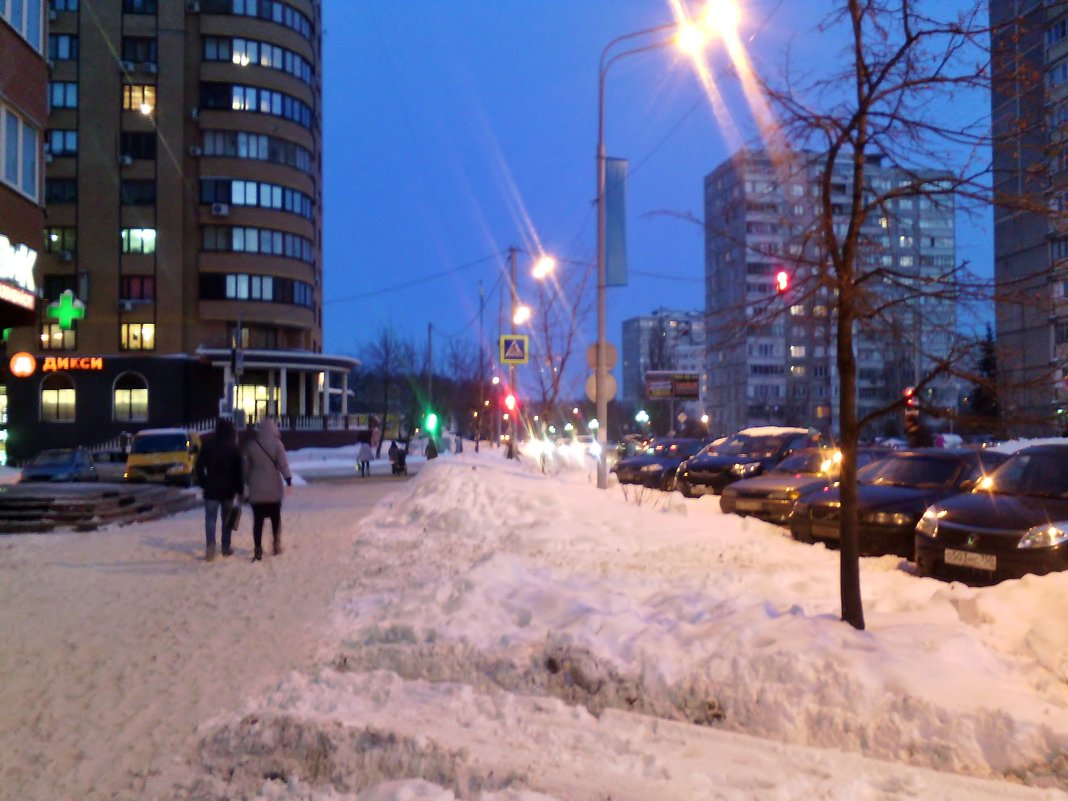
(413, 282)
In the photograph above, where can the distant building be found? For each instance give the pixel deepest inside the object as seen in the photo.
(771, 355)
(23, 117)
(1029, 104)
(183, 191)
(664, 340)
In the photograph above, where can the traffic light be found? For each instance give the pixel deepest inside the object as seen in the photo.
(912, 403)
(782, 282)
(431, 422)
(510, 402)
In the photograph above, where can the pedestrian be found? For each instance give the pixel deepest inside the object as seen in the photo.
(218, 470)
(266, 467)
(431, 451)
(364, 454)
(394, 457)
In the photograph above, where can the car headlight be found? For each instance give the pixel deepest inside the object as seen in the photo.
(928, 524)
(651, 468)
(746, 469)
(888, 519)
(790, 495)
(1045, 536)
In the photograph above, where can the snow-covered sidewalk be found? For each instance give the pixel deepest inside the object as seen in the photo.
(490, 632)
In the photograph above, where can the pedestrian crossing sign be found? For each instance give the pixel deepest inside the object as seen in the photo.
(515, 348)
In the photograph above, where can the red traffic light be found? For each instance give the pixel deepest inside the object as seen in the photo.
(782, 281)
(911, 400)
(510, 402)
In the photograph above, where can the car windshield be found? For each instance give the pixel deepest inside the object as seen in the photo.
(53, 458)
(1044, 474)
(803, 462)
(927, 472)
(762, 447)
(159, 443)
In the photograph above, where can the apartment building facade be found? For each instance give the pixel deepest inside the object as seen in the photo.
(666, 339)
(181, 272)
(772, 349)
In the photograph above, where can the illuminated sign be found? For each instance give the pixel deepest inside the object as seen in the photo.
(20, 297)
(54, 363)
(22, 365)
(16, 264)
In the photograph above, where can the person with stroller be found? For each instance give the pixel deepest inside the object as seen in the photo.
(398, 460)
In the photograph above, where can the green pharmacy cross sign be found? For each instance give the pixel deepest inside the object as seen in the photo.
(67, 309)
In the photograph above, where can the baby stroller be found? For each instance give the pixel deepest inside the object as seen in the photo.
(398, 462)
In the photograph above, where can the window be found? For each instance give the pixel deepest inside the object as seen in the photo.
(224, 239)
(55, 285)
(137, 287)
(61, 240)
(25, 17)
(138, 336)
(61, 190)
(271, 10)
(139, 49)
(139, 6)
(57, 399)
(62, 47)
(19, 157)
(243, 145)
(266, 288)
(55, 338)
(222, 97)
(63, 94)
(139, 97)
(245, 52)
(130, 402)
(138, 240)
(1056, 32)
(138, 145)
(797, 351)
(138, 193)
(255, 193)
(62, 143)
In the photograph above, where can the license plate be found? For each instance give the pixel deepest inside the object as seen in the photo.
(980, 561)
(748, 505)
(825, 531)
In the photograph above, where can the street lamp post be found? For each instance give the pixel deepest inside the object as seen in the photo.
(601, 373)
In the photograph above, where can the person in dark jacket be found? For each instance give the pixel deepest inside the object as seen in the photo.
(266, 468)
(219, 475)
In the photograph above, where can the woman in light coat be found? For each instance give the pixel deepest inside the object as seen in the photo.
(266, 468)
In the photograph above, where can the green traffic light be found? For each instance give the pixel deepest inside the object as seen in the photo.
(431, 422)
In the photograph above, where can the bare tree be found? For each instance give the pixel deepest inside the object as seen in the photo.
(390, 360)
(893, 98)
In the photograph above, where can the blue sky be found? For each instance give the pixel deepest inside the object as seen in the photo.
(455, 128)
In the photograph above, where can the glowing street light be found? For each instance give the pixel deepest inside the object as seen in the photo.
(522, 314)
(542, 267)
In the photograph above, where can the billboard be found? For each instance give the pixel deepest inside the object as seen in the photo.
(670, 385)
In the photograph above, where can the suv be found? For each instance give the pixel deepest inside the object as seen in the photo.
(163, 454)
(746, 454)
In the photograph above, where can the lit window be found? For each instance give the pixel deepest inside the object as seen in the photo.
(130, 398)
(53, 337)
(138, 240)
(139, 97)
(57, 399)
(797, 351)
(138, 336)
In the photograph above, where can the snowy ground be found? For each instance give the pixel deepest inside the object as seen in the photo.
(486, 631)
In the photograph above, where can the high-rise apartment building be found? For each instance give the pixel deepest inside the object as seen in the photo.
(664, 340)
(1030, 119)
(771, 350)
(182, 271)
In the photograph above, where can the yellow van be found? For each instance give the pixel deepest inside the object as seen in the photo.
(163, 454)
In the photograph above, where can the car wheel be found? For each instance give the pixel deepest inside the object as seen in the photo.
(667, 484)
(685, 488)
(801, 537)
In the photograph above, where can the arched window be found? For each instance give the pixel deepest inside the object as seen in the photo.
(57, 399)
(130, 398)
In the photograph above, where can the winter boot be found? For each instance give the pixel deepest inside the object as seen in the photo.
(209, 553)
(277, 544)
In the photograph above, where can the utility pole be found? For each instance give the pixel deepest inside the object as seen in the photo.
(481, 374)
(511, 452)
(429, 365)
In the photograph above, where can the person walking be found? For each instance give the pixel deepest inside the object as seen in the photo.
(364, 454)
(266, 467)
(218, 470)
(431, 451)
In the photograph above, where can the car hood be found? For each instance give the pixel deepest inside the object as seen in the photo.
(1016, 512)
(47, 472)
(715, 462)
(777, 482)
(877, 498)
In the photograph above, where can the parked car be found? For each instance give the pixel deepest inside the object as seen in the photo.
(163, 454)
(1015, 522)
(60, 464)
(746, 454)
(655, 467)
(771, 496)
(892, 495)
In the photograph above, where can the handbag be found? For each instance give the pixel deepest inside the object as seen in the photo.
(233, 520)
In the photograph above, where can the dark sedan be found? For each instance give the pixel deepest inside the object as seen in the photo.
(656, 466)
(771, 496)
(746, 454)
(892, 495)
(60, 464)
(1015, 522)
